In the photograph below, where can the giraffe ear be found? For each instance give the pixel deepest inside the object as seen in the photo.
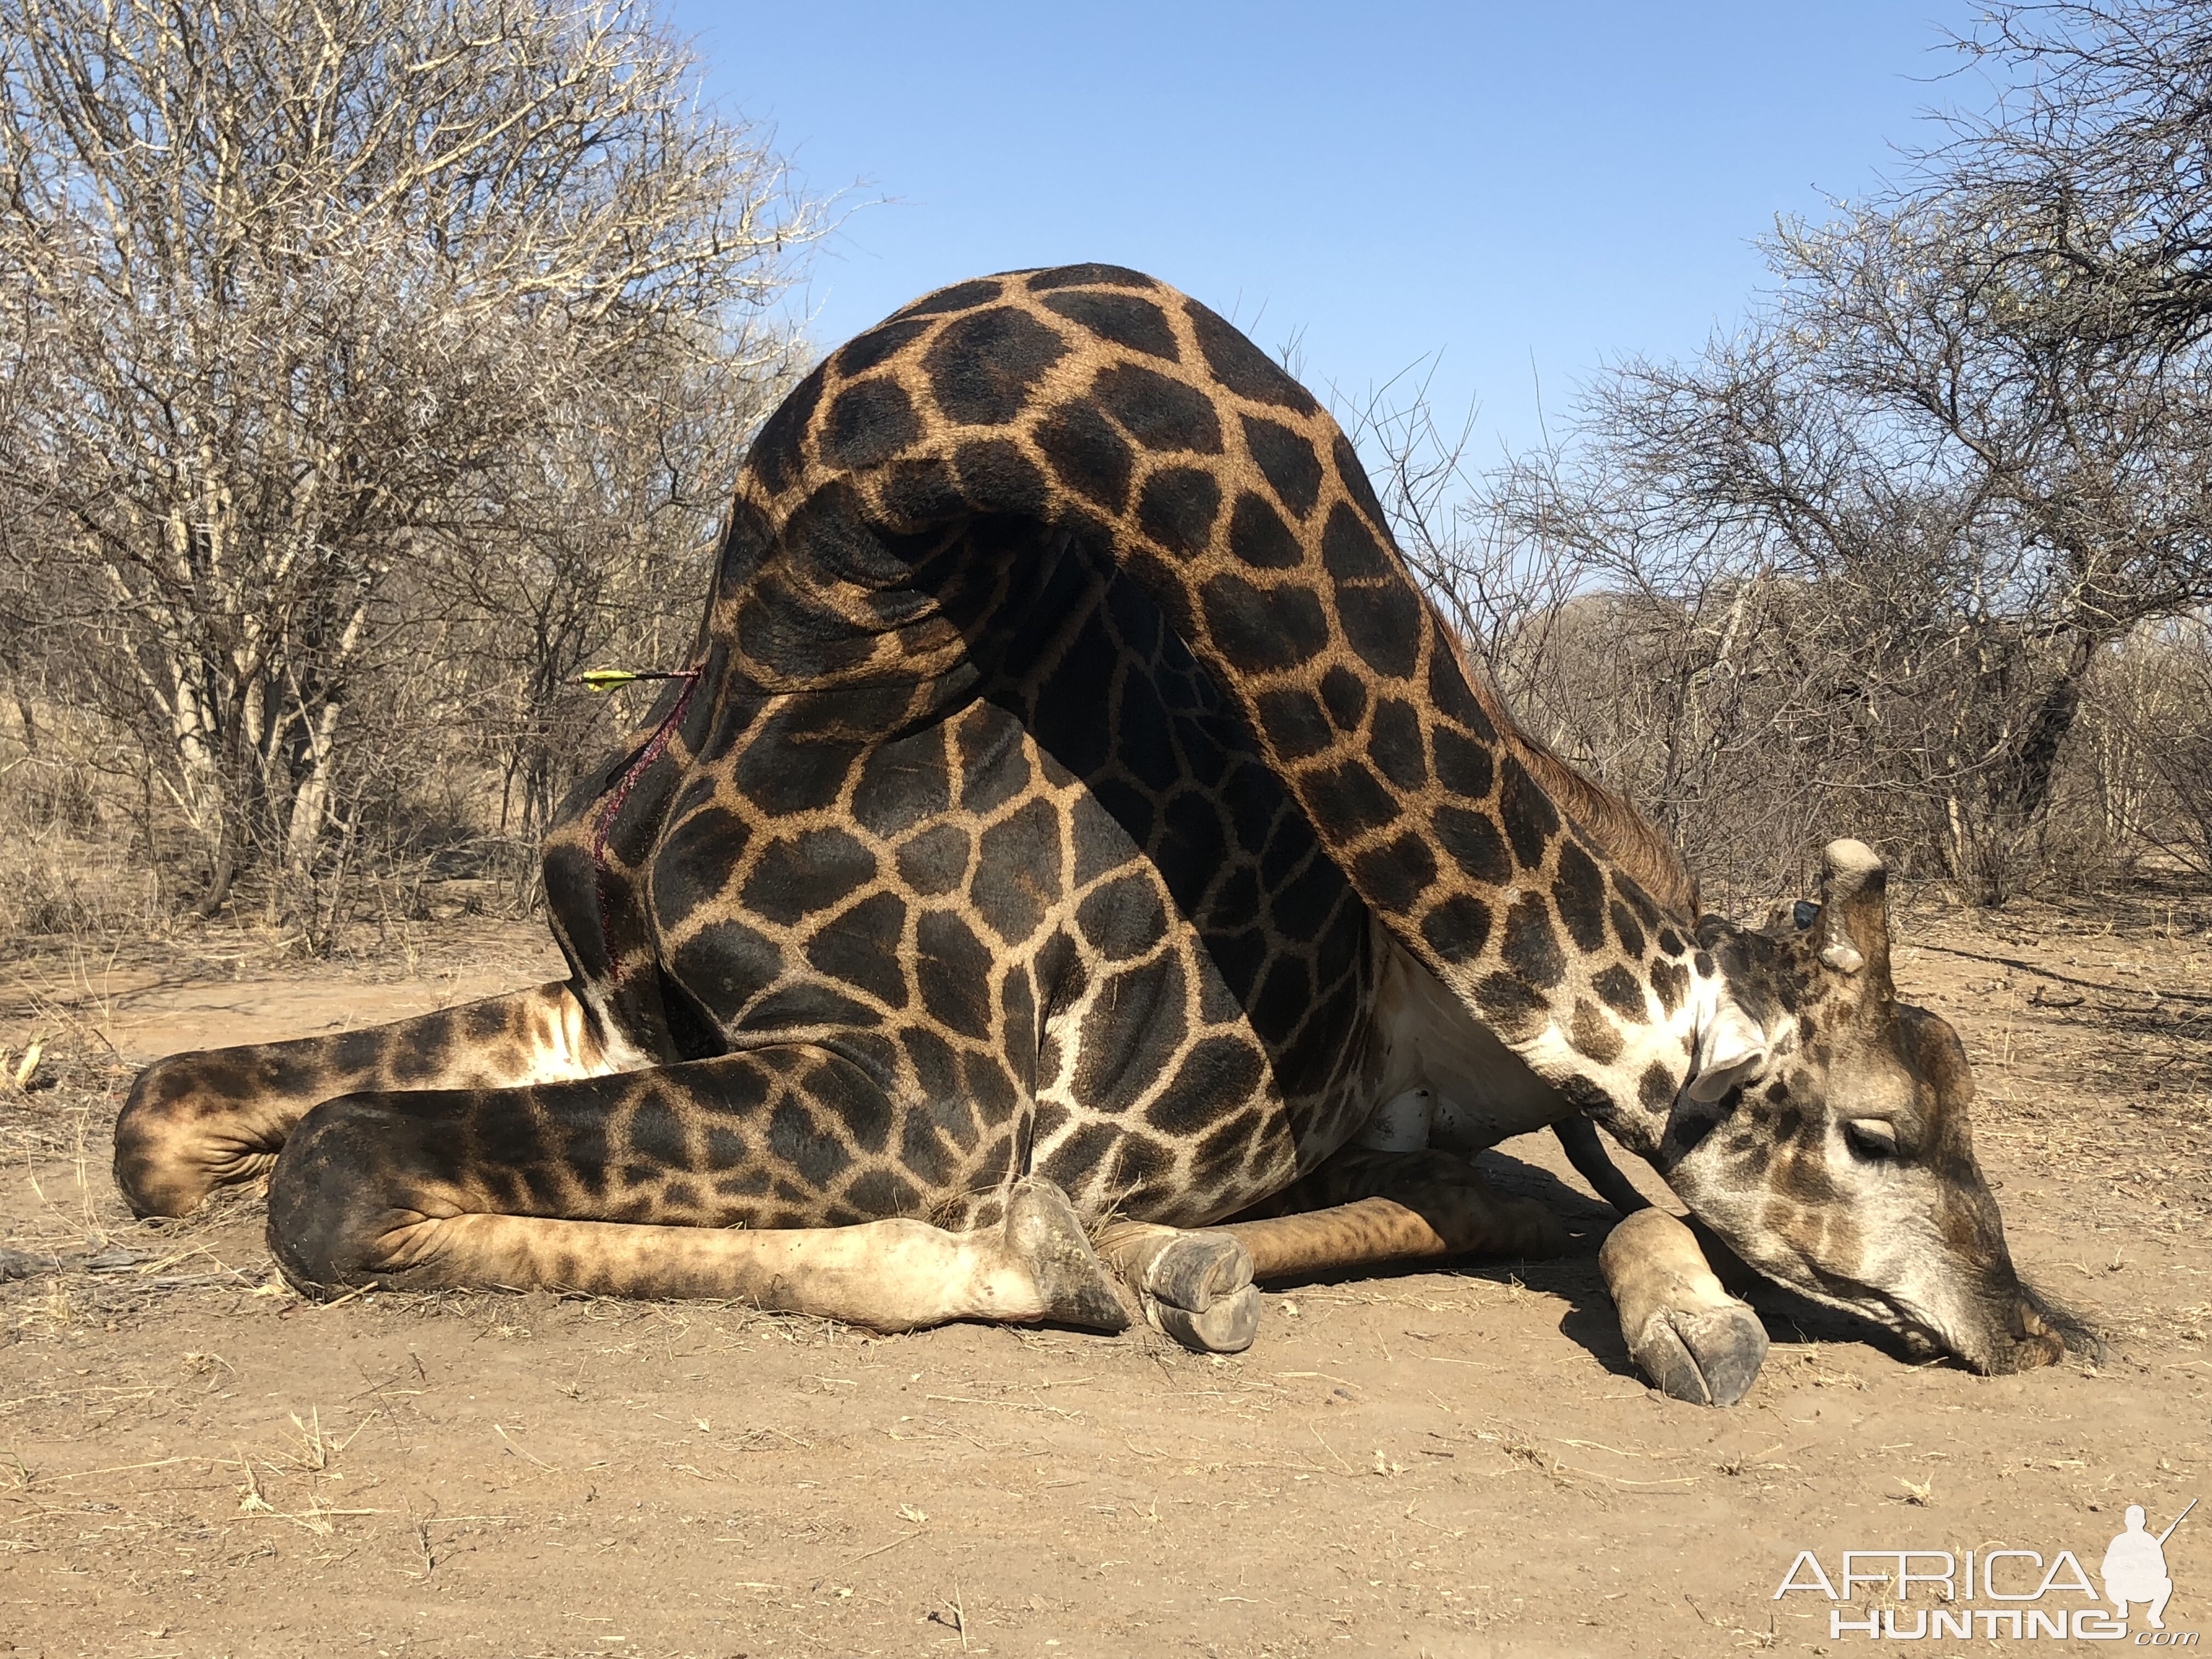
(1732, 1052)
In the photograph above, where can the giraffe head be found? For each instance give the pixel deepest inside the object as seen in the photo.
(1824, 1135)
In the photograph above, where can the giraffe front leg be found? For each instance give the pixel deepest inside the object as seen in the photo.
(214, 1117)
(1360, 1208)
(1363, 1206)
(1694, 1340)
(653, 1184)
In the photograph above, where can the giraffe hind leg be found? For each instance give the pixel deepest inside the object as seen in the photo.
(654, 1184)
(898, 1274)
(215, 1117)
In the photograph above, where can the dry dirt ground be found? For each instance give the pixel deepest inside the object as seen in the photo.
(193, 1463)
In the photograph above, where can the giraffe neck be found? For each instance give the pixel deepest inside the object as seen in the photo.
(912, 487)
(1429, 1039)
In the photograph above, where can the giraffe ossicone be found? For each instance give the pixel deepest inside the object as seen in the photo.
(1074, 821)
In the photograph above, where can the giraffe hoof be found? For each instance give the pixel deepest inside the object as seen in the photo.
(1685, 1332)
(1707, 1356)
(1195, 1285)
(1197, 1288)
(1197, 1269)
(166, 1163)
(1044, 1235)
(1228, 1326)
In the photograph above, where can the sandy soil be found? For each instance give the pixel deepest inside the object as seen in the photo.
(194, 1463)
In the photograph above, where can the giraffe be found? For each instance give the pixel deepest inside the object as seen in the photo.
(1077, 843)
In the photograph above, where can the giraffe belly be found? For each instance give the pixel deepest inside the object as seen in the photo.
(1478, 1092)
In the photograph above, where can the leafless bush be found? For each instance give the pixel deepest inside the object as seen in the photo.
(2147, 760)
(324, 319)
(320, 495)
(1757, 692)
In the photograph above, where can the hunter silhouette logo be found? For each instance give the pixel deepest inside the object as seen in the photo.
(2135, 1567)
(2029, 1592)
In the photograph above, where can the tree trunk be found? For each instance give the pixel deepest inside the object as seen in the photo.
(224, 871)
(2022, 785)
(311, 800)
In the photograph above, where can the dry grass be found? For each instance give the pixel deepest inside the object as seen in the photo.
(70, 865)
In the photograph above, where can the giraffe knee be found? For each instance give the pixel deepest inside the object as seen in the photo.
(339, 1197)
(181, 1134)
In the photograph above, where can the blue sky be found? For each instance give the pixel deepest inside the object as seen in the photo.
(1508, 185)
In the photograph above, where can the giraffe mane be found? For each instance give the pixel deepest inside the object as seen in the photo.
(1609, 818)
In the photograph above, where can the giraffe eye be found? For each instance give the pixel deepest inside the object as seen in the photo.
(1873, 1139)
